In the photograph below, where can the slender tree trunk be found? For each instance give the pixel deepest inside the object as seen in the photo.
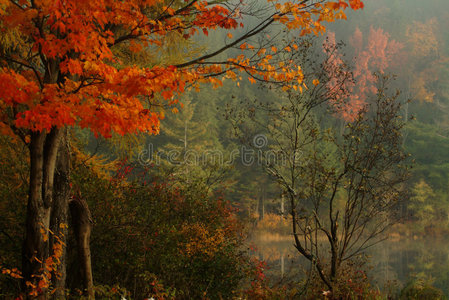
(43, 150)
(334, 264)
(34, 248)
(82, 225)
(335, 259)
(59, 214)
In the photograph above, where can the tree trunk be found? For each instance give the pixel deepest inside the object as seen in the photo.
(59, 214)
(82, 225)
(43, 150)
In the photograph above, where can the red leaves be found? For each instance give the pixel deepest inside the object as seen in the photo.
(71, 66)
(102, 93)
(356, 4)
(16, 89)
(213, 17)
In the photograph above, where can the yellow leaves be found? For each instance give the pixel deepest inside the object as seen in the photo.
(422, 38)
(201, 241)
(340, 15)
(274, 49)
(315, 82)
(420, 90)
(231, 75)
(296, 16)
(286, 7)
(216, 83)
(101, 167)
(229, 35)
(252, 80)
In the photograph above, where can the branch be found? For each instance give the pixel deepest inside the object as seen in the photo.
(36, 73)
(262, 25)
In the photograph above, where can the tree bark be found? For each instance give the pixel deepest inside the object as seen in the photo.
(43, 151)
(82, 225)
(59, 214)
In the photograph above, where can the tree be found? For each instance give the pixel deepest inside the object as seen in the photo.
(376, 54)
(341, 186)
(189, 152)
(61, 67)
(344, 189)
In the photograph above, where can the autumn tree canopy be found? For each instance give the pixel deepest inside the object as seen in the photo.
(59, 67)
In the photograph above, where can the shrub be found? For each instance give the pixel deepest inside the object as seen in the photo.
(421, 289)
(154, 238)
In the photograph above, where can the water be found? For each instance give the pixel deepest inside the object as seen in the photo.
(390, 263)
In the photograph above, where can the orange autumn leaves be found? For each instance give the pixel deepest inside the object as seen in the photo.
(49, 266)
(201, 241)
(66, 72)
(375, 53)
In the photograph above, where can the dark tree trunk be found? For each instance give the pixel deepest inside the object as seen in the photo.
(59, 214)
(43, 151)
(82, 225)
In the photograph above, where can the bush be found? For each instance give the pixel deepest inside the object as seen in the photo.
(158, 240)
(422, 290)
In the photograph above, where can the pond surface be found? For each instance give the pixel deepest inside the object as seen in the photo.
(393, 263)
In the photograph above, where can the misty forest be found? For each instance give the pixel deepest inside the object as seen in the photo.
(252, 149)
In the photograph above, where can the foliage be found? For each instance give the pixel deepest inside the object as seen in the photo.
(13, 191)
(425, 208)
(67, 72)
(189, 147)
(274, 223)
(352, 283)
(425, 50)
(374, 54)
(50, 267)
(155, 238)
(420, 289)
